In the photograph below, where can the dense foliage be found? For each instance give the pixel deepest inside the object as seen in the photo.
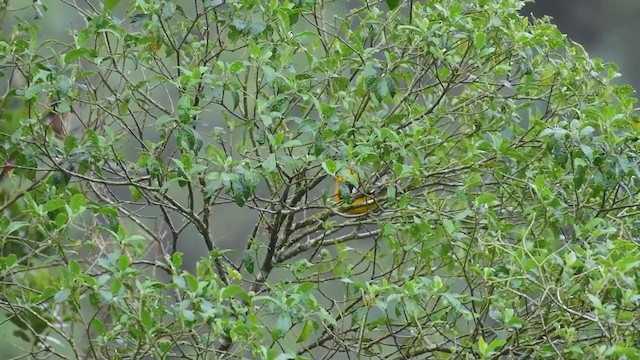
(503, 162)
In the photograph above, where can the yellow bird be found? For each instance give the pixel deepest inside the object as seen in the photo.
(346, 189)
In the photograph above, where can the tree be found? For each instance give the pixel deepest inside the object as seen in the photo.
(502, 161)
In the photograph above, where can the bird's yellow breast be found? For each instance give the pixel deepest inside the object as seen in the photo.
(367, 201)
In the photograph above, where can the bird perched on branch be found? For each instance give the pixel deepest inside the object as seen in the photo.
(356, 198)
(58, 122)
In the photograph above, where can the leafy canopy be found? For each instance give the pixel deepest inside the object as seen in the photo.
(503, 160)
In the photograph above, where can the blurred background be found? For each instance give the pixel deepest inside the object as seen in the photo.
(607, 29)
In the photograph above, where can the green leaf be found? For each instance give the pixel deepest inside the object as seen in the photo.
(179, 281)
(146, 318)
(74, 267)
(53, 204)
(443, 73)
(482, 347)
(597, 304)
(269, 165)
(496, 344)
(449, 226)
(587, 151)
(381, 89)
(232, 290)
(123, 262)
(486, 199)
(189, 139)
(391, 86)
(192, 282)
(61, 220)
(628, 263)
(72, 55)
(188, 315)
(33, 91)
(176, 260)
(110, 4)
(106, 210)
(283, 325)
(455, 303)
(623, 352)
(249, 263)
(269, 74)
(307, 330)
(116, 286)
(319, 146)
(256, 28)
(77, 203)
(61, 296)
(267, 119)
(98, 326)
(392, 4)
(236, 67)
(370, 74)
(330, 167)
(580, 172)
(480, 39)
(15, 226)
